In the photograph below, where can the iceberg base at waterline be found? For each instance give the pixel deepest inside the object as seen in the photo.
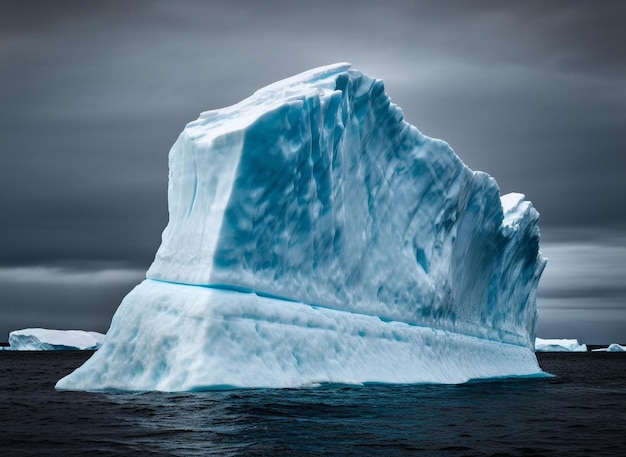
(199, 338)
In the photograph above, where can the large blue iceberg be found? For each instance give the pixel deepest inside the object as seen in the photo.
(315, 236)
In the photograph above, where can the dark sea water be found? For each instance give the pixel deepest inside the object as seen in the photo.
(580, 412)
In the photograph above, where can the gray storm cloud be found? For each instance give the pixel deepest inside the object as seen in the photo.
(93, 95)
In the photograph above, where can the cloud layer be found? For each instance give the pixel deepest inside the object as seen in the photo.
(95, 93)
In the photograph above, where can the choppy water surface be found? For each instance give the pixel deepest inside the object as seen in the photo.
(580, 412)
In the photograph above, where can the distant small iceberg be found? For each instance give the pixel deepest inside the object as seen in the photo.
(612, 348)
(41, 339)
(559, 345)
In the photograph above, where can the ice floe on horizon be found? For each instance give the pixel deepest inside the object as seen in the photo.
(41, 339)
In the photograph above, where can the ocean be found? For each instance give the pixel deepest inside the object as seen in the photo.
(581, 411)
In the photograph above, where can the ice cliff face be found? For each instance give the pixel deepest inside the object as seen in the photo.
(314, 193)
(316, 190)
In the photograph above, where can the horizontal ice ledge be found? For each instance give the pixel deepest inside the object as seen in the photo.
(268, 342)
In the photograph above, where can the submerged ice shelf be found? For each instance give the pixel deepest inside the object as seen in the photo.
(315, 236)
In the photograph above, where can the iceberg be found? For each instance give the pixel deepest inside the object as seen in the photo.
(42, 339)
(559, 345)
(613, 347)
(316, 236)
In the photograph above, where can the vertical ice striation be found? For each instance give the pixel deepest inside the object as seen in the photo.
(312, 206)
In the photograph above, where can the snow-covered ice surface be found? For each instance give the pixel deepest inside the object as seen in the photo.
(316, 236)
(42, 339)
(559, 345)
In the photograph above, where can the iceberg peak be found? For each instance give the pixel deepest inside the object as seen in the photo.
(312, 233)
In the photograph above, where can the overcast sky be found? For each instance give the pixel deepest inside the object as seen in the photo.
(93, 95)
